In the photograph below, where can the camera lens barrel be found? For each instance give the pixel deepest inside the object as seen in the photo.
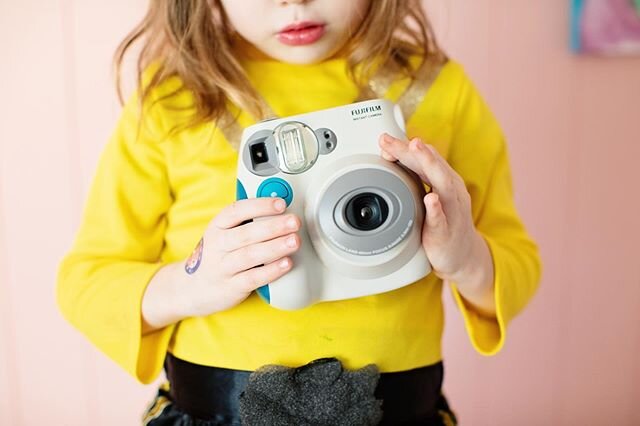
(366, 211)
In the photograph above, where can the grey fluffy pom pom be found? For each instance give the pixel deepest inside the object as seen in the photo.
(316, 394)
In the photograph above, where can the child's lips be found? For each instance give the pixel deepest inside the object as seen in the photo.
(301, 33)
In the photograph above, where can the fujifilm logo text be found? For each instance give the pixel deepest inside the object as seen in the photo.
(365, 110)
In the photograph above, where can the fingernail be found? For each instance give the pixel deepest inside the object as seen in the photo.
(280, 205)
(291, 223)
(284, 263)
(291, 241)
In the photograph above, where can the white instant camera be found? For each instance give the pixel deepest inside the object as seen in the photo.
(361, 215)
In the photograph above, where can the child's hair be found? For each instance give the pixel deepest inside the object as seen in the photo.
(194, 41)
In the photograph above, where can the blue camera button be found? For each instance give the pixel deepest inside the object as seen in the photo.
(264, 293)
(276, 187)
(241, 193)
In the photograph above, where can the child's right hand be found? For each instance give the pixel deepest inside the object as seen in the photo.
(224, 271)
(238, 258)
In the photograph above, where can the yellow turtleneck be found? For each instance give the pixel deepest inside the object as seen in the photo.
(153, 195)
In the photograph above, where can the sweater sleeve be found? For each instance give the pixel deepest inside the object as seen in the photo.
(479, 154)
(116, 251)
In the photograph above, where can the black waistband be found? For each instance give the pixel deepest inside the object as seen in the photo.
(213, 392)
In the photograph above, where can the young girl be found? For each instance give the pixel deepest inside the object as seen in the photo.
(136, 287)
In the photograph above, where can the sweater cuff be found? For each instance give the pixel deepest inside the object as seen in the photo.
(103, 300)
(487, 335)
(150, 349)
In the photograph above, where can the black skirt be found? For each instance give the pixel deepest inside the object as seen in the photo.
(197, 395)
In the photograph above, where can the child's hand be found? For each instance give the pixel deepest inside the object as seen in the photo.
(225, 274)
(449, 237)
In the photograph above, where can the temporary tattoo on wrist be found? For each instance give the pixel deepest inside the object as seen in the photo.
(193, 262)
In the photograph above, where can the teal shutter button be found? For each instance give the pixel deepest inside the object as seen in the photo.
(276, 187)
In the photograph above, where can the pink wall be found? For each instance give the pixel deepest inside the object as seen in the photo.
(574, 137)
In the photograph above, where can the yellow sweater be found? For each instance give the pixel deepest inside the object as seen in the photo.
(153, 195)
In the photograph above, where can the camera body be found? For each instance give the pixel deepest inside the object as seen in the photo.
(361, 215)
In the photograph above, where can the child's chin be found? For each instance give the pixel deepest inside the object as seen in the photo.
(301, 55)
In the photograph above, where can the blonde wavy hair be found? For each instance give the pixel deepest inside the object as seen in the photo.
(194, 41)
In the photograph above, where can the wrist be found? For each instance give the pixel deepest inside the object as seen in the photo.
(475, 281)
(471, 268)
(164, 301)
(181, 303)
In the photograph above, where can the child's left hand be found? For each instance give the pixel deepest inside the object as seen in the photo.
(449, 237)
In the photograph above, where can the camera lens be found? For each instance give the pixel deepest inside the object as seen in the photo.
(259, 153)
(366, 211)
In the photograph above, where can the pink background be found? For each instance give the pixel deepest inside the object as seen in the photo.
(574, 135)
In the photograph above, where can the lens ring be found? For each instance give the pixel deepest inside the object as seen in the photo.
(329, 211)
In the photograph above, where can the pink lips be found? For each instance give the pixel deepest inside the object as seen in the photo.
(301, 33)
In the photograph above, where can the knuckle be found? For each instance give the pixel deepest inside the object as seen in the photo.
(420, 142)
(217, 221)
(429, 161)
(450, 182)
(466, 192)
(433, 162)
(467, 198)
(245, 284)
(257, 277)
(241, 237)
(252, 253)
(249, 280)
(235, 207)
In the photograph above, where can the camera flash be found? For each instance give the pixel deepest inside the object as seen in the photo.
(293, 148)
(297, 147)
